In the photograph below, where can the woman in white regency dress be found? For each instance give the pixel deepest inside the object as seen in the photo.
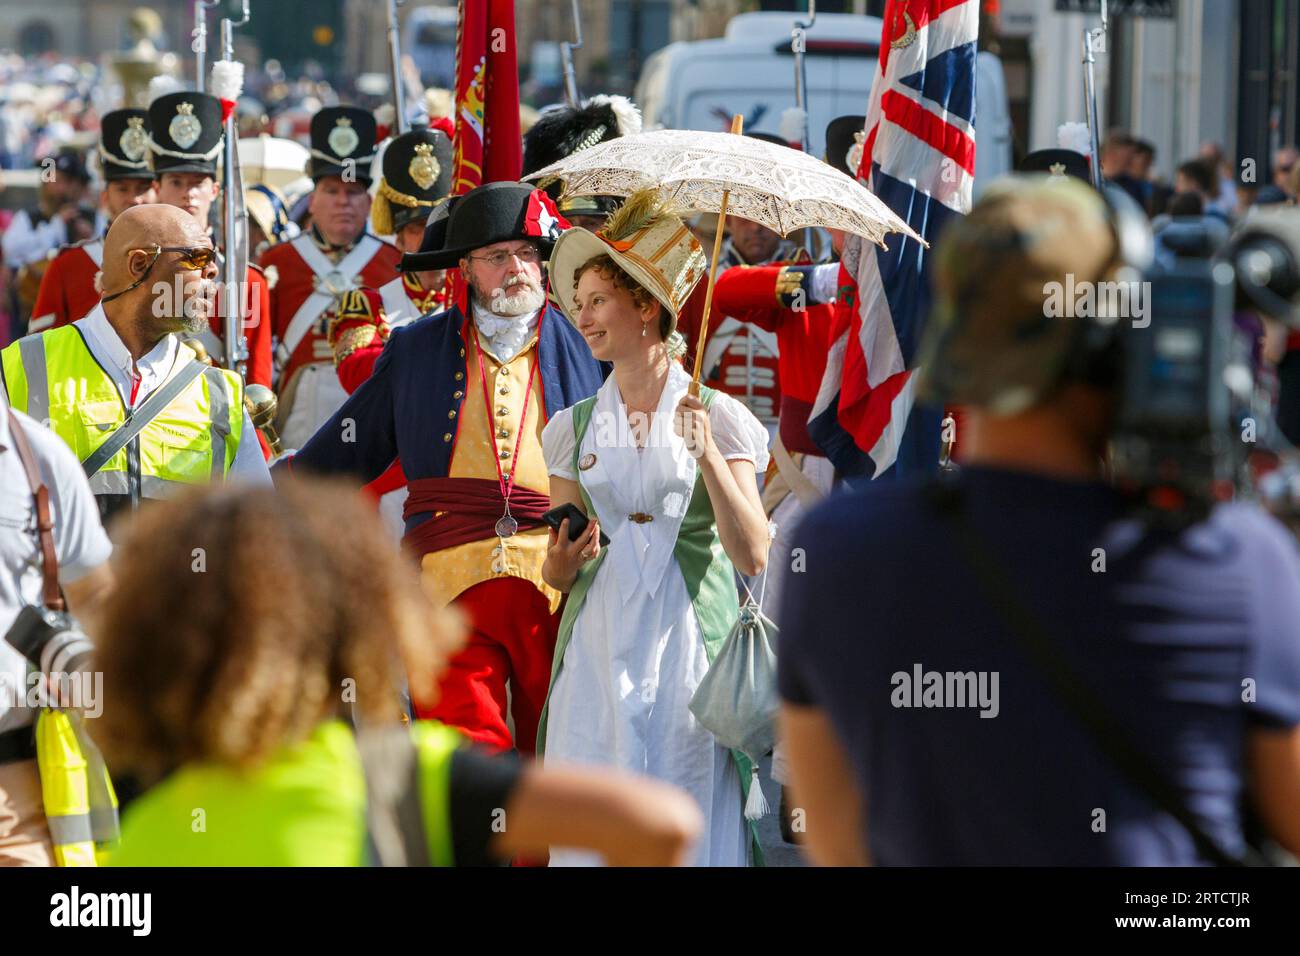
(635, 650)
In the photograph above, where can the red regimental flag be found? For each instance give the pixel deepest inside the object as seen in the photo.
(488, 145)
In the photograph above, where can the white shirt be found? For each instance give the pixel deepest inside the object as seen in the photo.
(154, 368)
(79, 542)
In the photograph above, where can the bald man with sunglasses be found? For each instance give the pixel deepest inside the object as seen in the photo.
(122, 369)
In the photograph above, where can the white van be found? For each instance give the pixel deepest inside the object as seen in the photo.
(700, 84)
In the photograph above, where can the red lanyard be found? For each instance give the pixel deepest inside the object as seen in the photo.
(505, 486)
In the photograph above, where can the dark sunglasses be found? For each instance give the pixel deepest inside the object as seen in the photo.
(198, 258)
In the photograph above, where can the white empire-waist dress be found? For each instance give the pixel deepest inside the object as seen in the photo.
(636, 654)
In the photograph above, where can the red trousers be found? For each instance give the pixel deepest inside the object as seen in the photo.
(512, 638)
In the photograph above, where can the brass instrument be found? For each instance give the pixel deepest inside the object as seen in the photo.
(262, 404)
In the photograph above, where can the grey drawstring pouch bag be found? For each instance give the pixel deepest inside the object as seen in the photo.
(737, 699)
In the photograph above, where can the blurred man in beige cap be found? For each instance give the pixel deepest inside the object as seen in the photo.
(1026, 576)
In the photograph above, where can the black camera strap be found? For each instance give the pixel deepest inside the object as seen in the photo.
(1107, 732)
(51, 596)
(142, 416)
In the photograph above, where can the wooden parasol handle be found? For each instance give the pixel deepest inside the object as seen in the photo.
(737, 127)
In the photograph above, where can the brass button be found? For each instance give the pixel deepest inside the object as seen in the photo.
(462, 353)
(505, 475)
(457, 394)
(459, 376)
(505, 390)
(503, 434)
(502, 411)
(452, 413)
(504, 370)
(447, 437)
(505, 455)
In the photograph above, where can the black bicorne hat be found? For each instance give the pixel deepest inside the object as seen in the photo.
(842, 140)
(1057, 162)
(185, 133)
(561, 131)
(124, 145)
(494, 212)
(342, 137)
(416, 174)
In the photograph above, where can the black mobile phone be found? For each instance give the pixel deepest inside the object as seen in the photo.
(577, 521)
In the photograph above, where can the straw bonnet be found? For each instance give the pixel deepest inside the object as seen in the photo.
(648, 242)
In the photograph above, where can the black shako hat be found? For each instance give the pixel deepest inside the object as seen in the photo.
(1057, 162)
(494, 212)
(185, 133)
(843, 145)
(561, 131)
(416, 174)
(342, 137)
(124, 145)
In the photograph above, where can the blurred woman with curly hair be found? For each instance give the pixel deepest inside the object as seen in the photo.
(253, 654)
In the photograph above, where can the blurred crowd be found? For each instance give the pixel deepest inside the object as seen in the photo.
(1205, 184)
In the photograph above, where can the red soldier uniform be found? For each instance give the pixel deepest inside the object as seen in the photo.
(302, 304)
(740, 358)
(317, 269)
(777, 298)
(68, 290)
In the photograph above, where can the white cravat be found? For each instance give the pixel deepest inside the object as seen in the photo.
(506, 334)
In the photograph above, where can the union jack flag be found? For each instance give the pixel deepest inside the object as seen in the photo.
(918, 156)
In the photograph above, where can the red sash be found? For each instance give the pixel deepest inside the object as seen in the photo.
(469, 510)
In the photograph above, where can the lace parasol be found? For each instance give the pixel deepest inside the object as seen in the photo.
(782, 188)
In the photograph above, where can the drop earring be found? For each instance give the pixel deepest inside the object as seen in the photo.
(644, 326)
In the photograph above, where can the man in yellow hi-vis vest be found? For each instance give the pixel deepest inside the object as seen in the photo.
(140, 413)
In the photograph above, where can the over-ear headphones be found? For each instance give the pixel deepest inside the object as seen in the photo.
(1096, 355)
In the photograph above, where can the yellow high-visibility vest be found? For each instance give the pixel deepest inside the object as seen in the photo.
(80, 804)
(54, 378)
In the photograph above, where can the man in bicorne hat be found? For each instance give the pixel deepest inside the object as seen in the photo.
(186, 139)
(462, 397)
(336, 255)
(68, 286)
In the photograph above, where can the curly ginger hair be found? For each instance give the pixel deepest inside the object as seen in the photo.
(245, 616)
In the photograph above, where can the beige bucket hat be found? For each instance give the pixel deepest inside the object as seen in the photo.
(648, 241)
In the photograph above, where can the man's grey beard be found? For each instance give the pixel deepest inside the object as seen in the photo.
(192, 322)
(526, 301)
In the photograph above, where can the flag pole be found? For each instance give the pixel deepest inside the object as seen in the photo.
(1094, 40)
(400, 122)
(200, 44)
(737, 127)
(566, 51)
(234, 221)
